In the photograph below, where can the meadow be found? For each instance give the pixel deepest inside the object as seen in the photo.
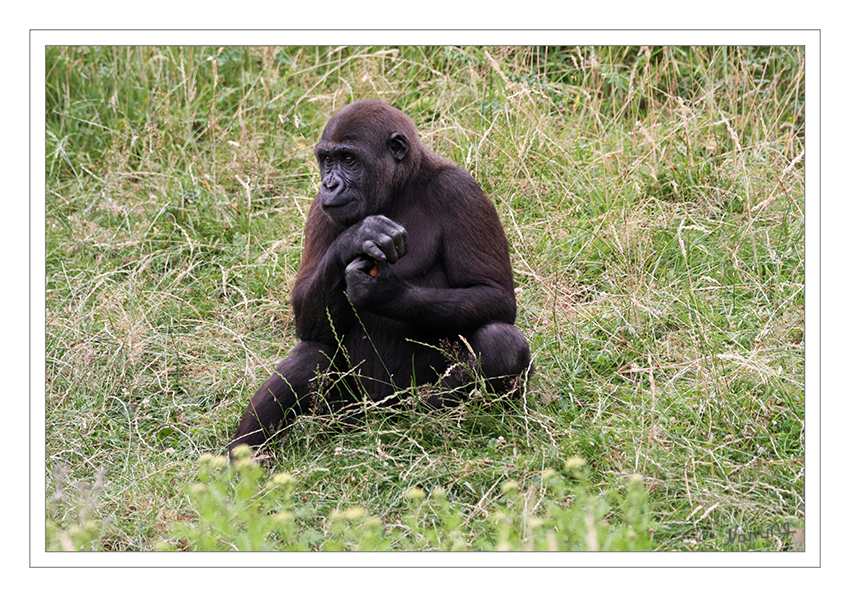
(653, 199)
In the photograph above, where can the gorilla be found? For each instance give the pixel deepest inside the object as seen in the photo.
(405, 280)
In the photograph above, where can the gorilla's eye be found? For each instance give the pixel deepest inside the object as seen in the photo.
(348, 158)
(327, 159)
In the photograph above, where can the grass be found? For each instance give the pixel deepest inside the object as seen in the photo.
(653, 200)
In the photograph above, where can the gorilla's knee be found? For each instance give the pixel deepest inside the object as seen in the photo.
(502, 350)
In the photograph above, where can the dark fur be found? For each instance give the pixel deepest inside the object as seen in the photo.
(443, 271)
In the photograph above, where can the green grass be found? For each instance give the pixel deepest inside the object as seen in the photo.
(653, 200)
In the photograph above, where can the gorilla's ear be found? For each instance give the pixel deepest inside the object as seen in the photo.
(398, 146)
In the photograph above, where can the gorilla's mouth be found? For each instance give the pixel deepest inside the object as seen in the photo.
(342, 213)
(338, 200)
(339, 210)
(340, 204)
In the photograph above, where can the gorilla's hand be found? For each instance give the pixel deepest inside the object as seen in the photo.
(377, 237)
(371, 285)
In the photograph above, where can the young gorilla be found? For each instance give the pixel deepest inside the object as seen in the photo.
(403, 254)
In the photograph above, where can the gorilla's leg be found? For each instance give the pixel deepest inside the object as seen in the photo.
(503, 356)
(288, 392)
(501, 359)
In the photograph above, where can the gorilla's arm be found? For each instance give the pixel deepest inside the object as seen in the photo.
(472, 253)
(446, 310)
(320, 284)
